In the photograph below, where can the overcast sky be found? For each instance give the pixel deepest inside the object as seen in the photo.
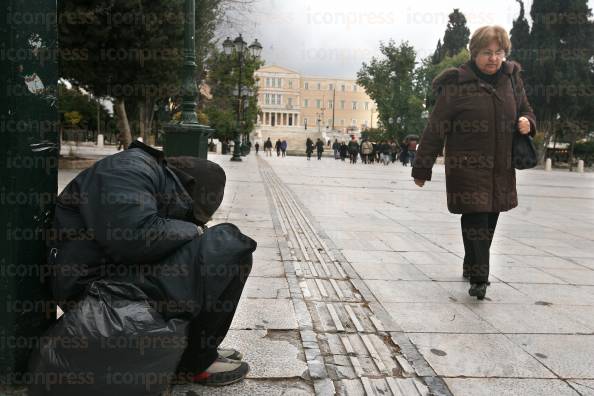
(333, 37)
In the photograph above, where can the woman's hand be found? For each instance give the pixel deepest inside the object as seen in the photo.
(420, 182)
(524, 125)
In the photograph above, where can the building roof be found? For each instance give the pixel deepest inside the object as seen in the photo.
(275, 69)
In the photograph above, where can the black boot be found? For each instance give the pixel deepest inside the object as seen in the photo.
(478, 290)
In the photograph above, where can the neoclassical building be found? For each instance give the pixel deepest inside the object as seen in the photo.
(290, 100)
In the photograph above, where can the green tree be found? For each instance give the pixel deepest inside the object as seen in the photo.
(391, 81)
(428, 71)
(130, 50)
(560, 76)
(222, 107)
(456, 36)
(438, 55)
(520, 38)
(74, 101)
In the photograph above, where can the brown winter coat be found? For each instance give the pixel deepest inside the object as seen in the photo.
(476, 122)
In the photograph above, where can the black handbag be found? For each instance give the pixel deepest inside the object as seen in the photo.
(523, 150)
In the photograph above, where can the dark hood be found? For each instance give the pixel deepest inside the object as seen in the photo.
(204, 181)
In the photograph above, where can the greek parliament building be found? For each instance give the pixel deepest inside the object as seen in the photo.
(291, 102)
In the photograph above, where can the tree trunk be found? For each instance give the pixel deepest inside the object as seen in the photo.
(145, 117)
(123, 124)
(547, 128)
(141, 121)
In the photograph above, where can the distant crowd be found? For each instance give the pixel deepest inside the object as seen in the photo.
(383, 152)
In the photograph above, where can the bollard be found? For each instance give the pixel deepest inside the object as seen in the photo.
(100, 141)
(548, 165)
(581, 166)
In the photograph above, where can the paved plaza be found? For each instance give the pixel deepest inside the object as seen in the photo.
(357, 284)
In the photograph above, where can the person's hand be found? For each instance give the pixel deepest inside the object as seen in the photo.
(524, 125)
(420, 182)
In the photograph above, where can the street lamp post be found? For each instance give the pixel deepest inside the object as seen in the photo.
(188, 137)
(239, 47)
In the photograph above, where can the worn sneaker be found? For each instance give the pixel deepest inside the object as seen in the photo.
(230, 353)
(222, 372)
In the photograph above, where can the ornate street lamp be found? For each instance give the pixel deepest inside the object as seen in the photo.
(239, 47)
(188, 137)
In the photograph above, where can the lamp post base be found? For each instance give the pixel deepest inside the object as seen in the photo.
(236, 159)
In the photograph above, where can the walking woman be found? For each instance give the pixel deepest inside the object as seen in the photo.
(476, 115)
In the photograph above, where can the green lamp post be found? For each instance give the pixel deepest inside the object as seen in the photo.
(188, 137)
(238, 46)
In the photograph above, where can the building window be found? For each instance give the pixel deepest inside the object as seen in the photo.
(366, 105)
(305, 103)
(267, 100)
(267, 82)
(342, 104)
(343, 87)
(330, 104)
(318, 103)
(290, 101)
(354, 105)
(319, 87)
(354, 123)
(342, 122)
(306, 85)
(330, 87)
(354, 88)
(290, 84)
(365, 123)
(279, 83)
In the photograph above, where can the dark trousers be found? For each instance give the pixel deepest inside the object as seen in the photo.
(477, 234)
(223, 290)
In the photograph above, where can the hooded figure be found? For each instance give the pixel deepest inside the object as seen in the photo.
(132, 258)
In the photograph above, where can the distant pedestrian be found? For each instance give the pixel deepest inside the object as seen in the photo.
(257, 147)
(412, 149)
(344, 151)
(393, 150)
(277, 146)
(336, 149)
(284, 148)
(404, 153)
(353, 149)
(366, 151)
(385, 152)
(309, 147)
(268, 147)
(320, 148)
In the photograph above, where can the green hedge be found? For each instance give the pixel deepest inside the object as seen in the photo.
(584, 151)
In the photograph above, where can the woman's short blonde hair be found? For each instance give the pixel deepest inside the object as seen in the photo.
(484, 36)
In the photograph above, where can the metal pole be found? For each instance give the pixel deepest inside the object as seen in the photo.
(189, 90)
(236, 148)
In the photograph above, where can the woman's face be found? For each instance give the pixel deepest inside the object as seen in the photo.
(489, 59)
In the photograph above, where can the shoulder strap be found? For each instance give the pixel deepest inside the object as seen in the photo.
(513, 83)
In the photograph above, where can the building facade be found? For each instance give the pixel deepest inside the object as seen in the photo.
(288, 99)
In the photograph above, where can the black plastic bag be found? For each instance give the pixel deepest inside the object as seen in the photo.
(112, 343)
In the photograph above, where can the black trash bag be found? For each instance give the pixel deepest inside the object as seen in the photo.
(111, 343)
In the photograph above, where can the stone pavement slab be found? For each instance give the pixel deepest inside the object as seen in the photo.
(478, 355)
(509, 387)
